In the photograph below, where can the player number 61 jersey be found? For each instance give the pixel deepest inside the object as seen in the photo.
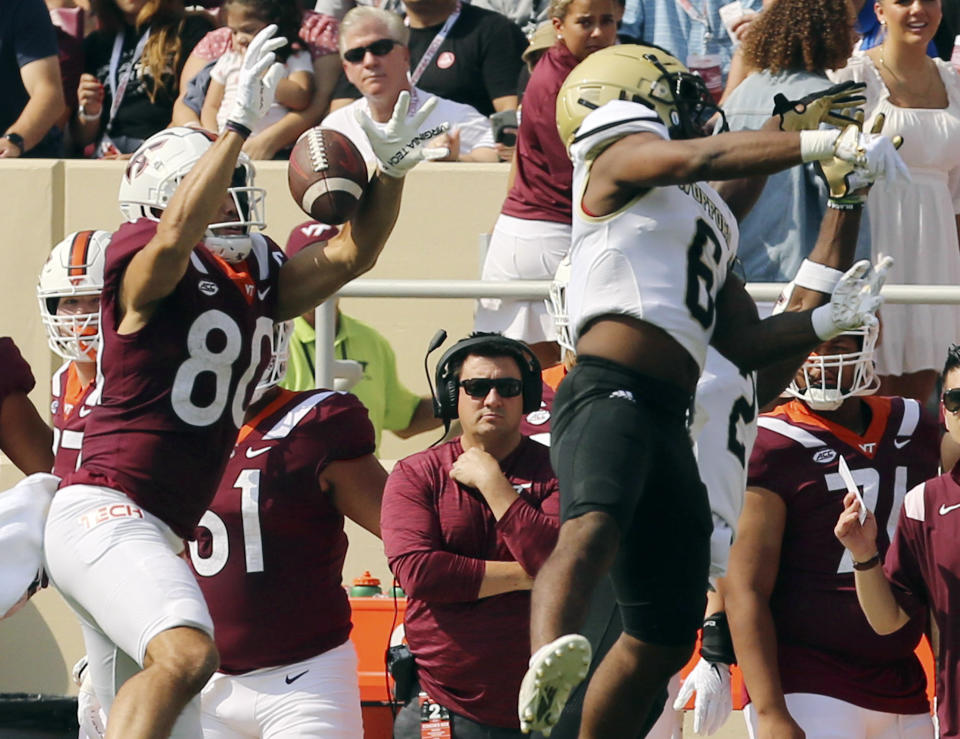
(662, 257)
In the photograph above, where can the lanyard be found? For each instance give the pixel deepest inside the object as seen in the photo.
(697, 16)
(434, 45)
(119, 86)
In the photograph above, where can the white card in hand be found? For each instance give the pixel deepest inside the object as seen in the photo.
(847, 478)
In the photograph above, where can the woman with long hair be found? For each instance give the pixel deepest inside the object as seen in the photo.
(132, 72)
(916, 223)
(790, 47)
(532, 234)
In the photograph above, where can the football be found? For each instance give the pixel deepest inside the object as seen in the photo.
(327, 175)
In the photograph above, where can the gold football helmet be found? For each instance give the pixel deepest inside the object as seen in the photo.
(641, 74)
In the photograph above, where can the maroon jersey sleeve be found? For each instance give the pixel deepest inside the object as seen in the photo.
(343, 428)
(15, 374)
(412, 534)
(902, 562)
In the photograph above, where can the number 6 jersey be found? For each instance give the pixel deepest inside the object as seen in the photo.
(824, 642)
(662, 257)
(173, 393)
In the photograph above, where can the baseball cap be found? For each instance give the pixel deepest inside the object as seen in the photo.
(541, 39)
(307, 233)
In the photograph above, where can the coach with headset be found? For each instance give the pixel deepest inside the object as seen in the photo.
(466, 525)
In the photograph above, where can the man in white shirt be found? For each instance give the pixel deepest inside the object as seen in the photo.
(373, 49)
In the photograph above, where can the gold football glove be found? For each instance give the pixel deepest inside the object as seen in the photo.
(832, 106)
(850, 181)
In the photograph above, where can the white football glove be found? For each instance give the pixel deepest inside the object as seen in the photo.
(257, 79)
(399, 146)
(871, 152)
(89, 714)
(854, 301)
(713, 703)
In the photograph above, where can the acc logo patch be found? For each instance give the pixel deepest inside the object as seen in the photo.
(208, 288)
(824, 456)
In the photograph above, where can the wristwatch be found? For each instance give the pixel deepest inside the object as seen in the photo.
(16, 139)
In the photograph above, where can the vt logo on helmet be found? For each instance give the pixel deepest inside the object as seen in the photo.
(640, 74)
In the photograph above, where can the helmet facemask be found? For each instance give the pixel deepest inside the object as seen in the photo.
(692, 105)
(557, 305)
(276, 368)
(822, 374)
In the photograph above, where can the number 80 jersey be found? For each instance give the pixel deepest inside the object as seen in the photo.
(173, 394)
(662, 257)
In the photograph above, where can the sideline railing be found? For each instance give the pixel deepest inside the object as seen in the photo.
(533, 289)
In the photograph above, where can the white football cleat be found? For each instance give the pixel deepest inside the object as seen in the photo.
(555, 670)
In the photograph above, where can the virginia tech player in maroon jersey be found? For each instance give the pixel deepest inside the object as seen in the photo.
(190, 296)
(269, 555)
(808, 656)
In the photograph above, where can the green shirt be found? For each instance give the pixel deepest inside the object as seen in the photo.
(389, 403)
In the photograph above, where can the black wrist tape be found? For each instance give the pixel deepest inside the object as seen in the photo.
(716, 644)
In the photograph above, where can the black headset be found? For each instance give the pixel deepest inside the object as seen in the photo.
(448, 381)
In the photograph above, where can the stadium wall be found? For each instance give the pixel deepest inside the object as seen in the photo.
(446, 207)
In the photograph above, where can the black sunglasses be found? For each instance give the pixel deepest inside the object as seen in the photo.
(480, 387)
(382, 47)
(951, 400)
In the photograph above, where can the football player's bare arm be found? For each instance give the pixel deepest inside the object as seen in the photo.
(24, 437)
(503, 577)
(751, 575)
(835, 248)
(641, 161)
(155, 270)
(742, 193)
(356, 489)
(877, 601)
(320, 270)
(750, 343)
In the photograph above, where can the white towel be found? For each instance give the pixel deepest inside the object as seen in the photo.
(23, 513)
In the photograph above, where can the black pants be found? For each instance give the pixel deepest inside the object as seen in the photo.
(407, 726)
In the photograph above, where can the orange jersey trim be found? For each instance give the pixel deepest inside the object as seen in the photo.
(239, 277)
(73, 391)
(553, 375)
(880, 408)
(269, 408)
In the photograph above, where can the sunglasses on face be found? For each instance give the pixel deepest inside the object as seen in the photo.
(381, 47)
(951, 400)
(480, 387)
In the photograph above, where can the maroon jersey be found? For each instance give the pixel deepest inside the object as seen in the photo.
(15, 374)
(471, 654)
(173, 393)
(542, 187)
(70, 405)
(270, 550)
(825, 644)
(922, 563)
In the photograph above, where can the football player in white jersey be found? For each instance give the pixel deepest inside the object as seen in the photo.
(633, 118)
